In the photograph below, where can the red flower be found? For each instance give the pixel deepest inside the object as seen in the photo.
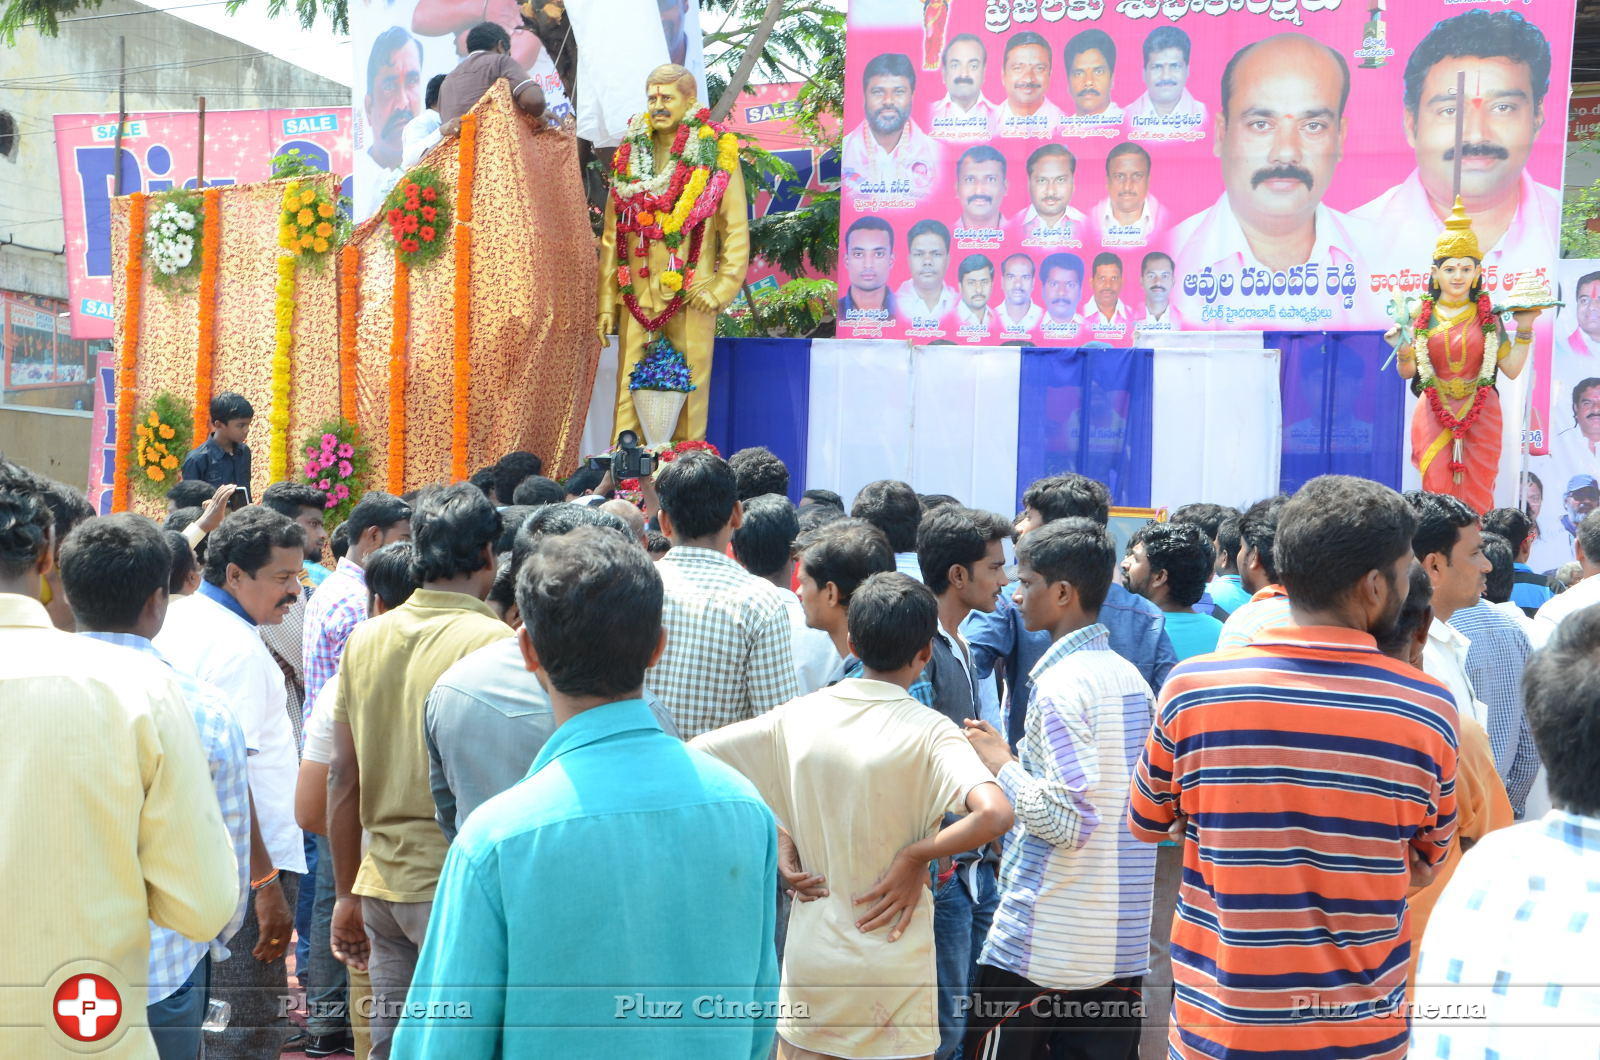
(704, 114)
(409, 246)
(411, 203)
(411, 223)
(411, 188)
(394, 215)
(426, 232)
(430, 193)
(429, 213)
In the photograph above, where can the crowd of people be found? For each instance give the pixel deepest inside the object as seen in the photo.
(536, 771)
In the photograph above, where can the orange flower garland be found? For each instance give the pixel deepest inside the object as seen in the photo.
(127, 369)
(401, 307)
(206, 343)
(349, 296)
(461, 366)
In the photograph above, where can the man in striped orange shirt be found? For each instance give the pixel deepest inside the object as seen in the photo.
(1317, 779)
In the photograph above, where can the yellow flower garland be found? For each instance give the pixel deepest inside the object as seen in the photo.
(278, 441)
(727, 159)
(305, 221)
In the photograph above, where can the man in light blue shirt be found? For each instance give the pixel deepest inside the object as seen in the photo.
(618, 901)
(1167, 564)
(1227, 587)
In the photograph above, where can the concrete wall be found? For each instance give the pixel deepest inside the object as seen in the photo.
(51, 442)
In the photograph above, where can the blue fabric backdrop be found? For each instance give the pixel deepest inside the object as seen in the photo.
(1112, 443)
(1342, 414)
(760, 395)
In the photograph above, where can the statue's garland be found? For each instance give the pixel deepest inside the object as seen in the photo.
(1429, 382)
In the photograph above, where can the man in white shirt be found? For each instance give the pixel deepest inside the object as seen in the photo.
(1155, 276)
(1587, 592)
(1018, 313)
(422, 132)
(963, 113)
(1583, 341)
(1091, 61)
(1050, 219)
(887, 156)
(1166, 111)
(1105, 311)
(764, 544)
(394, 97)
(1575, 448)
(924, 300)
(252, 578)
(1025, 72)
(974, 318)
(1061, 278)
(1271, 217)
(1129, 214)
(1448, 542)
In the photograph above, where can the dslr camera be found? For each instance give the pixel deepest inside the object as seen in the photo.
(631, 460)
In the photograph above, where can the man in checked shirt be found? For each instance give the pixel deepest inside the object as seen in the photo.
(728, 636)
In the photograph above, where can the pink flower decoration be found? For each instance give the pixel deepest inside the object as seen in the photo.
(345, 469)
(311, 450)
(330, 439)
(332, 503)
(347, 451)
(312, 469)
(341, 491)
(322, 484)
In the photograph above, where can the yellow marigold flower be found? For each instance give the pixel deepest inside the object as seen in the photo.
(320, 246)
(290, 188)
(671, 281)
(324, 230)
(707, 132)
(153, 419)
(155, 473)
(170, 463)
(305, 217)
(306, 240)
(142, 431)
(166, 432)
(325, 210)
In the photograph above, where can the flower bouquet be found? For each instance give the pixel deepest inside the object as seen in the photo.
(336, 464)
(660, 385)
(307, 220)
(418, 214)
(162, 433)
(171, 232)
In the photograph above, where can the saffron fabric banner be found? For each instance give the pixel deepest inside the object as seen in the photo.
(160, 151)
(1056, 172)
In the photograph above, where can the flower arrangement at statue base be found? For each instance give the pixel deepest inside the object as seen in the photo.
(417, 212)
(336, 463)
(162, 433)
(660, 384)
(629, 489)
(306, 221)
(170, 241)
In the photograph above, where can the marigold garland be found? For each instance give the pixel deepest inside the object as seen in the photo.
(349, 303)
(284, 306)
(206, 342)
(461, 365)
(400, 306)
(127, 367)
(163, 433)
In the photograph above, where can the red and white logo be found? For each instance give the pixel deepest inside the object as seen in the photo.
(87, 1007)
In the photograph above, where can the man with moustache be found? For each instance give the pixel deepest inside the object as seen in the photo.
(394, 97)
(1025, 73)
(1507, 63)
(1129, 214)
(1091, 61)
(925, 299)
(1018, 313)
(1575, 449)
(1156, 274)
(1279, 135)
(1050, 220)
(974, 318)
(963, 113)
(980, 188)
(887, 156)
(1584, 340)
(868, 257)
(1166, 109)
(1104, 309)
(1061, 277)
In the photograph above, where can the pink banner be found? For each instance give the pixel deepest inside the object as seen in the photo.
(159, 152)
(1057, 172)
(103, 432)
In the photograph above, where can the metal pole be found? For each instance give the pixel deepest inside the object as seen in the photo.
(1461, 123)
(122, 113)
(200, 161)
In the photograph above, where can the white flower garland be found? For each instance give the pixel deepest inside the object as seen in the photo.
(169, 246)
(697, 151)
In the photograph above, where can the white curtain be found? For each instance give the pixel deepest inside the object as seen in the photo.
(964, 424)
(860, 420)
(619, 43)
(1218, 425)
(597, 434)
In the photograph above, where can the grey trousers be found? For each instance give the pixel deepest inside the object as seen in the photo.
(395, 930)
(1158, 984)
(257, 1026)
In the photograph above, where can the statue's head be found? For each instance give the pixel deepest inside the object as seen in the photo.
(1456, 279)
(669, 96)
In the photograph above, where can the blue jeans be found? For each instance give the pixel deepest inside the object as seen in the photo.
(302, 912)
(985, 900)
(175, 1019)
(962, 912)
(325, 993)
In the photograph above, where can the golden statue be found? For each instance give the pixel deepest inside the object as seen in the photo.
(676, 240)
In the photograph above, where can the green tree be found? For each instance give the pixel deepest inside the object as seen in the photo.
(1580, 209)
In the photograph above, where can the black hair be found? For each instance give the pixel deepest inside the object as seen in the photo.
(1258, 528)
(1144, 263)
(928, 226)
(1333, 532)
(68, 507)
(181, 519)
(289, 498)
(1238, 57)
(1024, 38)
(980, 153)
(1228, 539)
(430, 95)
(339, 541)
(892, 507)
(536, 490)
(391, 573)
(1163, 37)
(110, 567)
(1184, 552)
(1067, 495)
(656, 543)
(1577, 391)
(1208, 517)
(556, 519)
(1062, 260)
(387, 43)
(1589, 536)
(1502, 574)
(1106, 257)
(697, 492)
(930, 501)
(1097, 40)
(1019, 256)
(25, 520)
(963, 38)
(1480, 35)
(1440, 520)
(758, 471)
(845, 552)
(764, 542)
(889, 64)
(511, 520)
(1561, 695)
(512, 469)
(486, 37)
(1074, 550)
(1127, 148)
(1051, 151)
(184, 561)
(868, 224)
(823, 497)
(503, 593)
(375, 509)
(591, 605)
(451, 528)
(1513, 524)
(954, 536)
(190, 493)
(582, 481)
(246, 539)
(483, 478)
(892, 617)
(813, 516)
(1395, 642)
(228, 406)
(974, 263)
